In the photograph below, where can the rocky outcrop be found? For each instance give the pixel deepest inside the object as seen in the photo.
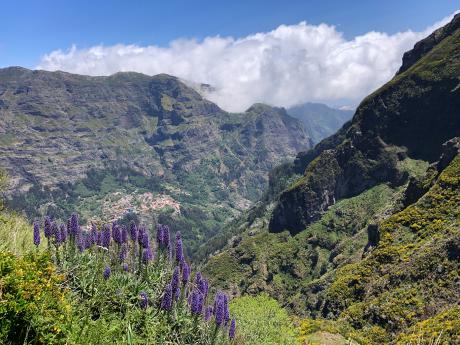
(410, 116)
(424, 46)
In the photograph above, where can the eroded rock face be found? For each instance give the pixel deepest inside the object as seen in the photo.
(424, 46)
(57, 126)
(411, 116)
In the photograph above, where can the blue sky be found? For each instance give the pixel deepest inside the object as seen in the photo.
(29, 29)
(334, 52)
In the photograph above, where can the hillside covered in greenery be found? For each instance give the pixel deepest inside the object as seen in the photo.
(359, 234)
(130, 146)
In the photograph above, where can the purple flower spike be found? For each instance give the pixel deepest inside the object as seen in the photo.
(147, 255)
(202, 284)
(57, 234)
(125, 267)
(124, 235)
(81, 242)
(47, 229)
(106, 237)
(63, 231)
(107, 272)
(93, 234)
(74, 226)
(163, 237)
(232, 329)
(207, 313)
(123, 252)
(219, 309)
(116, 233)
(166, 237)
(185, 273)
(68, 226)
(140, 235)
(175, 281)
(36, 233)
(160, 234)
(226, 310)
(133, 231)
(166, 302)
(179, 249)
(145, 243)
(144, 300)
(196, 302)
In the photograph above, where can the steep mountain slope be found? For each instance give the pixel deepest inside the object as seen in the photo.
(130, 145)
(319, 120)
(371, 227)
(412, 116)
(413, 274)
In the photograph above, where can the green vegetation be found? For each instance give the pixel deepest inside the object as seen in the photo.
(34, 308)
(413, 273)
(286, 266)
(262, 321)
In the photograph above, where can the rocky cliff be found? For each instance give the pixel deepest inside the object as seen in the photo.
(411, 116)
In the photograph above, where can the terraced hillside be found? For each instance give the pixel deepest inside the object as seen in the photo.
(133, 146)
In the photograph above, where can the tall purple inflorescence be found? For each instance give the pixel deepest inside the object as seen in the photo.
(160, 235)
(147, 255)
(166, 237)
(163, 237)
(166, 302)
(232, 329)
(207, 313)
(197, 299)
(144, 300)
(185, 273)
(47, 228)
(123, 252)
(124, 235)
(202, 284)
(125, 267)
(106, 237)
(93, 234)
(140, 235)
(226, 310)
(116, 233)
(36, 233)
(57, 234)
(107, 272)
(63, 231)
(175, 282)
(74, 226)
(81, 242)
(145, 242)
(219, 312)
(133, 231)
(179, 249)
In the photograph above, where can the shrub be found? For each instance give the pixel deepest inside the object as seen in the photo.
(33, 307)
(261, 320)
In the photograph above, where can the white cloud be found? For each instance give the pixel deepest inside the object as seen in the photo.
(289, 65)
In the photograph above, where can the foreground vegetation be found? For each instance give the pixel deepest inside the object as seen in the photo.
(106, 286)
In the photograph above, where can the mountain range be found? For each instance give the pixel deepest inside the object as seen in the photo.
(362, 230)
(351, 223)
(130, 145)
